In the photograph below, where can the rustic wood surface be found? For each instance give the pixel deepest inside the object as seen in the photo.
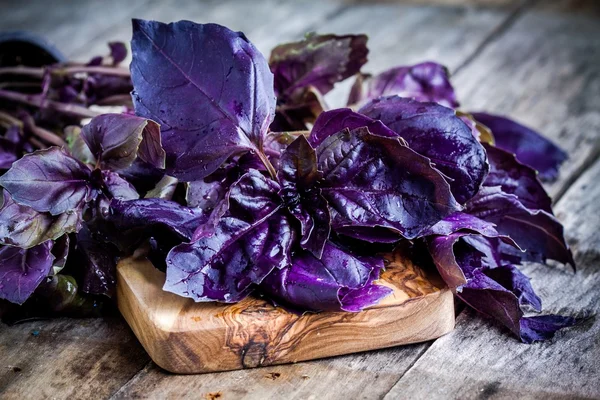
(538, 61)
(185, 337)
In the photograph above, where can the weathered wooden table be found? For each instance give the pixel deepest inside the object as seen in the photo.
(538, 61)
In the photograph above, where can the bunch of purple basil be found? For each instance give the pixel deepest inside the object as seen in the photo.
(233, 175)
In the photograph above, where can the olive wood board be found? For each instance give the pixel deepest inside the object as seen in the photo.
(186, 337)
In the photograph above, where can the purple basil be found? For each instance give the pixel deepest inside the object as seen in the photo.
(49, 180)
(118, 187)
(306, 70)
(9, 153)
(116, 140)
(426, 81)
(331, 122)
(338, 281)
(538, 232)
(251, 239)
(24, 227)
(152, 214)
(118, 52)
(438, 133)
(233, 178)
(300, 191)
(516, 178)
(319, 61)
(97, 262)
(208, 110)
(22, 270)
(530, 147)
(210, 191)
(460, 221)
(372, 181)
(469, 264)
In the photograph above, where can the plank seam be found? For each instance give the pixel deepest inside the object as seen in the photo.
(410, 366)
(587, 164)
(135, 374)
(496, 34)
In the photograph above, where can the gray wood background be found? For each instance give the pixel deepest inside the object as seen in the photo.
(538, 61)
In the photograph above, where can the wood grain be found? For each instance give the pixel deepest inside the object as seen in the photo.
(67, 358)
(185, 337)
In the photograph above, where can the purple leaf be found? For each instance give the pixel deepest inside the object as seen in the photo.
(9, 153)
(516, 178)
(210, 191)
(143, 176)
(298, 175)
(118, 52)
(538, 232)
(372, 181)
(251, 239)
(543, 327)
(338, 281)
(462, 222)
(498, 291)
(530, 147)
(118, 187)
(208, 111)
(24, 227)
(299, 111)
(426, 81)
(331, 122)
(116, 140)
(153, 214)
(49, 180)
(275, 144)
(437, 133)
(319, 61)
(511, 278)
(96, 263)
(22, 270)
(487, 296)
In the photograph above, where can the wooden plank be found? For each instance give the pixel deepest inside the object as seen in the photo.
(544, 73)
(480, 360)
(401, 34)
(265, 22)
(479, 3)
(187, 337)
(67, 358)
(372, 374)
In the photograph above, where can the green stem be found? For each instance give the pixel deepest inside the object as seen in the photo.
(267, 164)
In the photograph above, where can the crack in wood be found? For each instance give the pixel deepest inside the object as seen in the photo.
(496, 33)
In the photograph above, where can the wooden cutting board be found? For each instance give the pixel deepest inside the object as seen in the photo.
(186, 337)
